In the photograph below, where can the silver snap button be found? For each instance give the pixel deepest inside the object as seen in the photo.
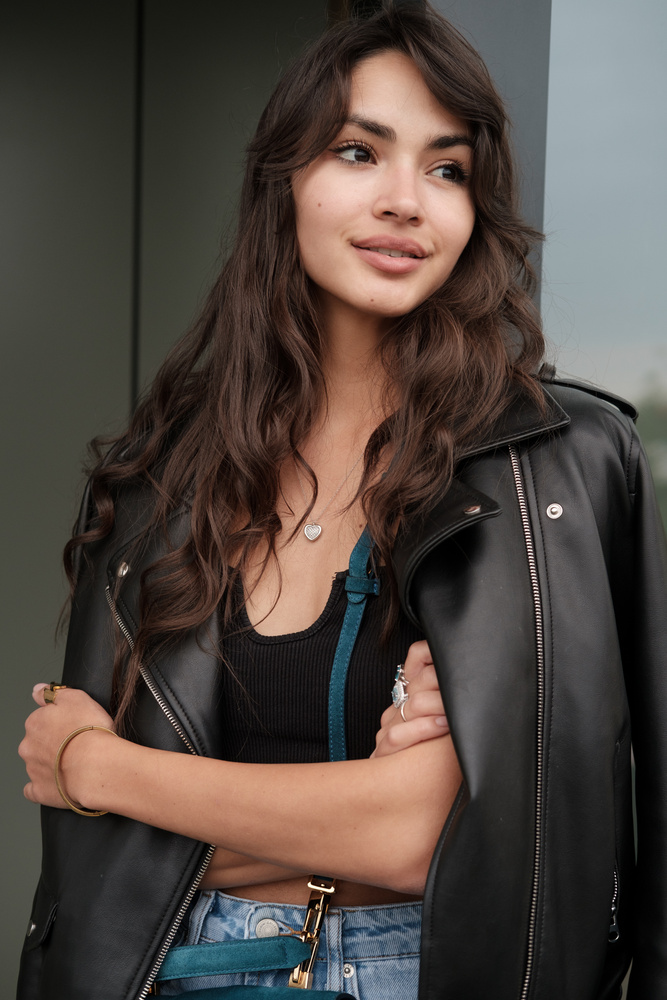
(348, 971)
(123, 569)
(473, 509)
(554, 510)
(32, 926)
(267, 928)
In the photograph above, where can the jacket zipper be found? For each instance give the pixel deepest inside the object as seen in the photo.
(148, 680)
(174, 927)
(541, 684)
(614, 932)
(153, 688)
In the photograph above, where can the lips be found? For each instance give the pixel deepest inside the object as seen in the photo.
(391, 254)
(391, 246)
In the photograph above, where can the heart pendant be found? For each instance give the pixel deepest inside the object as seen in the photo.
(312, 531)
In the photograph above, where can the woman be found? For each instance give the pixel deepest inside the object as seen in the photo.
(365, 368)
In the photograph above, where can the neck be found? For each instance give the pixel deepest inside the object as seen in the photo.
(354, 375)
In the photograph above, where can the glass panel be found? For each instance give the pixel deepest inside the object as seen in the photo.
(605, 205)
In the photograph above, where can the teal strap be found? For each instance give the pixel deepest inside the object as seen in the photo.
(283, 951)
(247, 955)
(358, 586)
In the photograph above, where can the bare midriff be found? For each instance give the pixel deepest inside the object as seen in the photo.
(296, 892)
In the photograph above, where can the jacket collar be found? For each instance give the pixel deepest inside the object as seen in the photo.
(460, 505)
(521, 419)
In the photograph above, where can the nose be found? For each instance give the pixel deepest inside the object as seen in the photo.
(398, 195)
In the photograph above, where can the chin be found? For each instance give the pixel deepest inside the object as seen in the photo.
(395, 311)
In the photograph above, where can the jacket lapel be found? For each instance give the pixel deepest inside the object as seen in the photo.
(460, 505)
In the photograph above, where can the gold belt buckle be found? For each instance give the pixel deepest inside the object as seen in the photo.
(323, 889)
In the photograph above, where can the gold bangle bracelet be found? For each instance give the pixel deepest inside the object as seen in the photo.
(68, 802)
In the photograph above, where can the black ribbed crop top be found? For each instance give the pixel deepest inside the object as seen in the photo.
(275, 706)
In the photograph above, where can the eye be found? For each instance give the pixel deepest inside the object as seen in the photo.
(454, 172)
(354, 152)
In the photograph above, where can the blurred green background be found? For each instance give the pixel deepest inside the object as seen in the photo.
(652, 424)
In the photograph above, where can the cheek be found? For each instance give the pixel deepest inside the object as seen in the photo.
(326, 200)
(313, 235)
(308, 215)
(468, 216)
(310, 233)
(319, 223)
(455, 230)
(457, 227)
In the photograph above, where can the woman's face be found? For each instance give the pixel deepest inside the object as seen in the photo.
(383, 215)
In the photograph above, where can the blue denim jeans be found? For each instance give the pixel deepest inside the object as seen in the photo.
(371, 952)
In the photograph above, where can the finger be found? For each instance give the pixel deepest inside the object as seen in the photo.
(409, 734)
(427, 678)
(405, 734)
(38, 693)
(418, 657)
(387, 716)
(419, 652)
(423, 703)
(28, 792)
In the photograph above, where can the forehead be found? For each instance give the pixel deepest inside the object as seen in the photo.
(388, 87)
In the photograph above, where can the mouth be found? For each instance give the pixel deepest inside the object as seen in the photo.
(392, 253)
(392, 246)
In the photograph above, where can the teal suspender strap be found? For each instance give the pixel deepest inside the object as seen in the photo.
(358, 586)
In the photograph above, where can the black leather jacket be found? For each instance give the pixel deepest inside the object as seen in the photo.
(539, 580)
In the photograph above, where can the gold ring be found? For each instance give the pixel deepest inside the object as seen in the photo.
(51, 691)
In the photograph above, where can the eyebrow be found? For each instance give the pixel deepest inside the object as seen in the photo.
(387, 133)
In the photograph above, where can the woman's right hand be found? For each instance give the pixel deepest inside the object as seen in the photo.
(424, 710)
(46, 728)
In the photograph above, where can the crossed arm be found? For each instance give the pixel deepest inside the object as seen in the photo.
(270, 821)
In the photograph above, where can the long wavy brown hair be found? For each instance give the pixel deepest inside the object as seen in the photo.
(239, 393)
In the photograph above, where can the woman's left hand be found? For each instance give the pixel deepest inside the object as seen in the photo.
(424, 713)
(46, 728)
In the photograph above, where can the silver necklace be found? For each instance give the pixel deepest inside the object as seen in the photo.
(313, 529)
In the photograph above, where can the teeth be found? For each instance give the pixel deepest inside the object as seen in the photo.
(392, 253)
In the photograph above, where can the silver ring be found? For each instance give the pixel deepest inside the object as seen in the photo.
(399, 695)
(403, 709)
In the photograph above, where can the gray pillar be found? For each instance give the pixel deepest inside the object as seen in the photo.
(66, 102)
(209, 70)
(513, 38)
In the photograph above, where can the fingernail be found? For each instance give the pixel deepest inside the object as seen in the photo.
(441, 720)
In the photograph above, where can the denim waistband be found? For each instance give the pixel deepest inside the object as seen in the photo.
(369, 952)
(364, 931)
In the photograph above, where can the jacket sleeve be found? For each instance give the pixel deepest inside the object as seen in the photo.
(112, 891)
(644, 636)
